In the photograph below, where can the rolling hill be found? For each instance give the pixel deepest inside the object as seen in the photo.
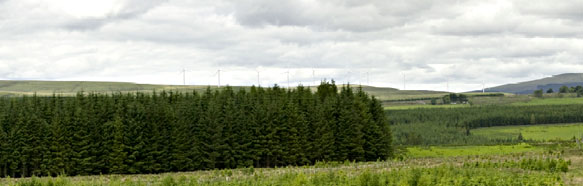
(46, 88)
(554, 82)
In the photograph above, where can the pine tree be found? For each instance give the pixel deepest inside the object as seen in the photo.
(381, 137)
(4, 151)
(257, 119)
(243, 129)
(185, 155)
(213, 143)
(117, 153)
(350, 140)
(150, 133)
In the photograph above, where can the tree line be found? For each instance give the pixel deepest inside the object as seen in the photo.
(431, 126)
(563, 89)
(137, 133)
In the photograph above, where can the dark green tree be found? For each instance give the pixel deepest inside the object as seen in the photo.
(550, 91)
(538, 93)
(564, 89)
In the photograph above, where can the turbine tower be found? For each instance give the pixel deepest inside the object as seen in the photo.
(314, 77)
(348, 74)
(367, 78)
(218, 73)
(183, 76)
(404, 81)
(287, 72)
(258, 81)
(183, 72)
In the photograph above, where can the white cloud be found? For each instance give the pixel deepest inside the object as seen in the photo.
(463, 42)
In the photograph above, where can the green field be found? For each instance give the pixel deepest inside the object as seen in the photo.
(533, 132)
(453, 151)
(12, 88)
(551, 101)
(403, 107)
(69, 88)
(533, 168)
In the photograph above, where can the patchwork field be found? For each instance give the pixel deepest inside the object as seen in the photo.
(534, 167)
(403, 107)
(453, 151)
(533, 132)
(552, 101)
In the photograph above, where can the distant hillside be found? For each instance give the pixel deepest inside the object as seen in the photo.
(72, 87)
(43, 88)
(554, 82)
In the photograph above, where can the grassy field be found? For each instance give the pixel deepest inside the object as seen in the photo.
(533, 132)
(46, 88)
(476, 99)
(403, 107)
(453, 151)
(507, 99)
(516, 100)
(67, 88)
(529, 168)
(551, 101)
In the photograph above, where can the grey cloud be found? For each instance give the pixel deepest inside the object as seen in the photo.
(129, 9)
(429, 41)
(85, 24)
(343, 15)
(565, 9)
(524, 18)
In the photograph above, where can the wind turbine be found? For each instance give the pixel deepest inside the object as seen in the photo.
(258, 70)
(287, 72)
(360, 78)
(218, 73)
(348, 74)
(404, 81)
(314, 77)
(183, 76)
(367, 79)
(183, 72)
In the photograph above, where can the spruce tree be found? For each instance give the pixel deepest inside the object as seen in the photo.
(170, 131)
(350, 140)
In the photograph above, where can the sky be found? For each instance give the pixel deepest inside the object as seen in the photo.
(454, 45)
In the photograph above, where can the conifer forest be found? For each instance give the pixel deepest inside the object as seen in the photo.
(145, 133)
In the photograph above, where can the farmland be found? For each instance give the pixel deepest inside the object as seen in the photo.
(402, 107)
(533, 132)
(534, 168)
(552, 101)
(71, 88)
(453, 151)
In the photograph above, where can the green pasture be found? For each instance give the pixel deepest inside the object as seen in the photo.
(453, 151)
(532, 169)
(70, 88)
(532, 132)
(551, 101)
(404, 107)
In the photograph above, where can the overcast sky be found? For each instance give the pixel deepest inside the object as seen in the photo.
(428, 42)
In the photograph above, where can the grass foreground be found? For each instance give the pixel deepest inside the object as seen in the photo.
(524, 168)
(452, 151)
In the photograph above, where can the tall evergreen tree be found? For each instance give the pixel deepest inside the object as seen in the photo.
(170, 131)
